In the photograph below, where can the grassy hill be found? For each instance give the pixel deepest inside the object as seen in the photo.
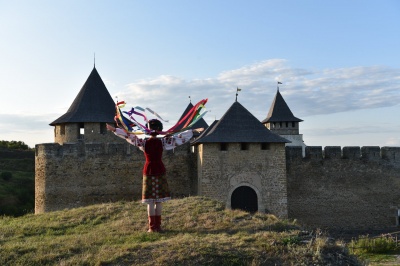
(197, 231)
(17, 181)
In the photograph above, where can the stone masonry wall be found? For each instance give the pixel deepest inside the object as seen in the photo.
(221, 172)
(69, 133)
(78, 174)
(284, 128)
(347, 188)
(92, 133)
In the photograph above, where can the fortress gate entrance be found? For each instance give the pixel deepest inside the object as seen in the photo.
(244, 198)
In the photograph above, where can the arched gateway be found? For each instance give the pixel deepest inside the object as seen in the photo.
(244, 198)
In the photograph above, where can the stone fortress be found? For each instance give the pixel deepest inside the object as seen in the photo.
(259, 166)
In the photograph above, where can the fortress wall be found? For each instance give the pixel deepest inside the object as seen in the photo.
(79, 174)
(221, 172)
(351, 187)
(181, 168)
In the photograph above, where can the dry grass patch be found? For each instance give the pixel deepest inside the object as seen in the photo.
(198, 231)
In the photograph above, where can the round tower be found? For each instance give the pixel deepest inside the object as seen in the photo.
(87, 116)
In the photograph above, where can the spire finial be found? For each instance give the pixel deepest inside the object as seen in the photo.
(237, 90)
(277, 85)
(190, 99)
(94, 60)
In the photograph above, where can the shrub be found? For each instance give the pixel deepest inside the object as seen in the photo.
(382, 245)
(6, 175)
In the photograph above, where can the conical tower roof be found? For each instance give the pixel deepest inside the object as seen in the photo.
(238, 125)
(280, 111)
(92, 104)
(201, 123)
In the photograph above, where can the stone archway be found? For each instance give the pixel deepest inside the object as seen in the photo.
(244, 198)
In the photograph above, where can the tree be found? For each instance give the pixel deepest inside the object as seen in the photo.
(14, 145)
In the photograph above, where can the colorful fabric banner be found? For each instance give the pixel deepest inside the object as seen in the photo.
(128, 124)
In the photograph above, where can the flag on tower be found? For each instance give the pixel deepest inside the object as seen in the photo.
(237, 90)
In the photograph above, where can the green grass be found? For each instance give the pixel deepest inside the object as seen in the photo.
(381, 250)
(197, 231)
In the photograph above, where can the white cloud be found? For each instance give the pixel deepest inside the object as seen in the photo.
(26, 122)
(357, 129)
(31, 129)
(308, 92)
(392, 141)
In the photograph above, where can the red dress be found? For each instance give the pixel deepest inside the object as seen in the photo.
(155, 185)
(153, 151)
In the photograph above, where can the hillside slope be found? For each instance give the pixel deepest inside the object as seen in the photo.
(197, 231)
(17, 181)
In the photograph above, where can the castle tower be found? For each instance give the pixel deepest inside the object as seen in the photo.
(86, 164)
(199, 124)
(242, 163)
(88, 114)
(281, 121)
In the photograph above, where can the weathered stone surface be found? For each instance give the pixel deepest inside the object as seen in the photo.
(349, 187)
(221, 172)
(356, 190)
(79, 174)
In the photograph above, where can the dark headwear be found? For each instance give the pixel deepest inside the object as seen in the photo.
(155, 125)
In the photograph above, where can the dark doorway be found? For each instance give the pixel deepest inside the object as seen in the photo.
(244, 198)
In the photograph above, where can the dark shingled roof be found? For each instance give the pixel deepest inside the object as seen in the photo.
(92, 104)
(280, 111)
(238, 125)
(198, 124)
(205, 132)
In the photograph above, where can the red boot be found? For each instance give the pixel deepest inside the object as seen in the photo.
(152, 224)
(158, 223)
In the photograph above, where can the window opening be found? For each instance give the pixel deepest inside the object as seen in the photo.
(223, 146)
(81, 132)
(265, 146)
(244, 146)
(103, 128)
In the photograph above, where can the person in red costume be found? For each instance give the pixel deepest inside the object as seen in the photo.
(155, 189)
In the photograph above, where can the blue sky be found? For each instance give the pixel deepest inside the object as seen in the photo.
(338, 61)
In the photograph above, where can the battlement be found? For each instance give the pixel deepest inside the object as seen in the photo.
(366, 153)
(81, 149)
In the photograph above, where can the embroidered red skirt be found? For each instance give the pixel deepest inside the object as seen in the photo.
(155, 189)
